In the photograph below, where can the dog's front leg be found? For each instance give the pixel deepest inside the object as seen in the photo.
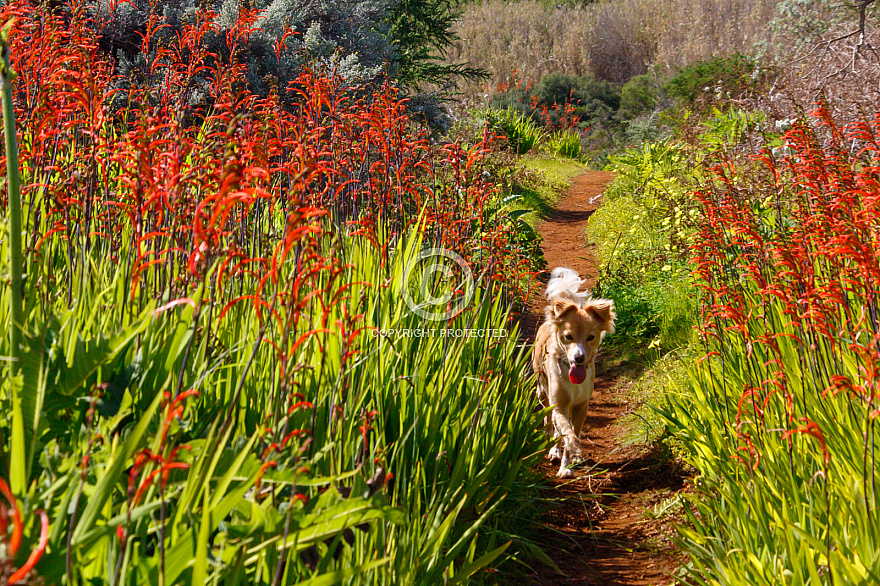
(578, 417)
(549, 428)
(571, 446)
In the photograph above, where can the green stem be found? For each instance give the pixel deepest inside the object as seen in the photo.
(17, 473)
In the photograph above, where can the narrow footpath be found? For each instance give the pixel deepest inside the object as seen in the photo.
(598, 531)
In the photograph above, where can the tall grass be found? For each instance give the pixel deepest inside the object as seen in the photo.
(444, 415)
(613, 39)
(781, 417)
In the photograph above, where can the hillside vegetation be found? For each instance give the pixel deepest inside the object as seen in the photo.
(261, 285)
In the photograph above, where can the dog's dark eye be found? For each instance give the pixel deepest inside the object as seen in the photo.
(569, 337)
(590, 337)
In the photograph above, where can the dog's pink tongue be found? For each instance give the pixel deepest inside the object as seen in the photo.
(577, 373)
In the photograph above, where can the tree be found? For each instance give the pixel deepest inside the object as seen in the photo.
(421, 32)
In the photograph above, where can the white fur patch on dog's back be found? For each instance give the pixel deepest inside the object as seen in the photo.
(565, 282)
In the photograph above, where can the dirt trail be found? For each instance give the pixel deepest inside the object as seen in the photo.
(598, 532)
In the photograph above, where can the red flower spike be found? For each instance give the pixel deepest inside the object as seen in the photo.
(263, 468)
(813, 430)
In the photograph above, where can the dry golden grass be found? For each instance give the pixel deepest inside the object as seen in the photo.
(524, 37)
(613, 39)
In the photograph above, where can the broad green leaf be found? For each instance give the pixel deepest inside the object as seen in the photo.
(109, 479)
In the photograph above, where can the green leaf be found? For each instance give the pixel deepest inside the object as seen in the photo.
(340, 575)
(104, 490)
(200, 564)
(83, 357)
(468, 570)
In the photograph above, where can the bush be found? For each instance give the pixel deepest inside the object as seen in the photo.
(591, 100)
(638, 96)
(644, 129)
(654, 312)
(642, 232)
(713, 80)
(563, 101)
(357, 40)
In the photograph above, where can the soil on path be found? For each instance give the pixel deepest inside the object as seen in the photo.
(597, 529)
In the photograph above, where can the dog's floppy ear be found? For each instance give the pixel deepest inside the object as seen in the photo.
(602, 311)
(559, 307)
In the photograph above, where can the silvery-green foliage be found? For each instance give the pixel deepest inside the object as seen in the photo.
(805, 21)
(358, 40)
(348, 36)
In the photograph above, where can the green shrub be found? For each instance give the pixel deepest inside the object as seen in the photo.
(713, 79)
(644, 129)
(805, 21)
(558, 88)
(641, 232)
(656, 311)
(637, 96)
(403, 401)
(592, 100)
(558, 97)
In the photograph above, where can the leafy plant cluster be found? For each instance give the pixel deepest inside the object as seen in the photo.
(583, 114)
(559, 101)
(604, 116)
(202, 390)
(781, 417)
(521, 132)
(642, 231)
(715, 81)
(649, 219)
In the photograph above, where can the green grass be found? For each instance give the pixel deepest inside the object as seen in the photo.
(646, 388)
(555, 169)
(542, 180)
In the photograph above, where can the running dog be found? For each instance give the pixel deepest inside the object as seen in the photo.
(563, 359)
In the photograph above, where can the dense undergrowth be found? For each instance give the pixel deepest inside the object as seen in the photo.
(225, 372)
